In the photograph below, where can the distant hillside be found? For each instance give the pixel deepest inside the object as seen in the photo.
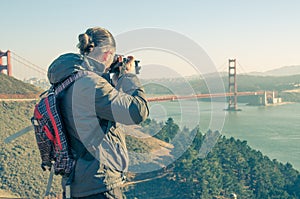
(219, 84)
(284, 71)
(13, 88)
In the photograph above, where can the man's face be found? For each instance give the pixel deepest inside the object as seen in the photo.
(110, 58)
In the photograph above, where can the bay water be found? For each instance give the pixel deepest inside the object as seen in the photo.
(273, 130)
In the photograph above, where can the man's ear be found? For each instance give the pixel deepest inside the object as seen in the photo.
(106, 55)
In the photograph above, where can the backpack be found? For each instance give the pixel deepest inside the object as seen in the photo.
(50, 134)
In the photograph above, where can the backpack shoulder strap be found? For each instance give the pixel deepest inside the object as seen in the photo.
(67, 82)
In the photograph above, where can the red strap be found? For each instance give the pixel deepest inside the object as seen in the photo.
(37, 114)
(48, 134)
(53, 123)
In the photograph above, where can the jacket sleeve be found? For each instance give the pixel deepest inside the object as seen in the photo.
(126, 103)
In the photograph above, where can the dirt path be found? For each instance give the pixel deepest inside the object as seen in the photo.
(16, 100)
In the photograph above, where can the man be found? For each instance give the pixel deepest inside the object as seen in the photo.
(91, 110)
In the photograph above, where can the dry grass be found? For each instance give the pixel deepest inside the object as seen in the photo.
(6, 194)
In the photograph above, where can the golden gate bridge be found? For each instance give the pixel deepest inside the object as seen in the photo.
(266, 97)
(12, 59)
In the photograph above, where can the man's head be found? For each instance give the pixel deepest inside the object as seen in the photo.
(99, 44)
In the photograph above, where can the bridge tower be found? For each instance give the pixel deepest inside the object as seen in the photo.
(8, 66)
(232, 86)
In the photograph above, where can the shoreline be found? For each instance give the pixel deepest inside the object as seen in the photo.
(276, 104)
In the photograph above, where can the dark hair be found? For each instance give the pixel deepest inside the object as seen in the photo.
(93, 37)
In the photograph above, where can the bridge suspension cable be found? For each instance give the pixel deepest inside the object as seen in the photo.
(223, 67)
(241, 69)
(28, 64)
(246, 75)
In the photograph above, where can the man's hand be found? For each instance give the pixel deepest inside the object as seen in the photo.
(128, 68)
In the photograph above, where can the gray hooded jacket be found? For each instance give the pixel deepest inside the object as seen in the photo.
(91, 109)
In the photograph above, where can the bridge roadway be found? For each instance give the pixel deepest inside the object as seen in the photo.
(208, 95)
(172, 97)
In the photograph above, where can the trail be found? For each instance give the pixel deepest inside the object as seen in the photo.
(144, 180)
(17, 100)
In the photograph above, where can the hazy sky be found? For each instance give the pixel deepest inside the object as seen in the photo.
(260, 34)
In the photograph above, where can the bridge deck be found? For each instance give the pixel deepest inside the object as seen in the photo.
(203, 96)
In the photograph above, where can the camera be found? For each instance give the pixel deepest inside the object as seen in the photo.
(119, 64)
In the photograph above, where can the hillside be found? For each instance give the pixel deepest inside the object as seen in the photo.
(5, 194)
(232, 166)
(13, 88)
(20, 171)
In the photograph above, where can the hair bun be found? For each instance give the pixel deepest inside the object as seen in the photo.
(85, 44)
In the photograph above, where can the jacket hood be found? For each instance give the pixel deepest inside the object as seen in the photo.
(69, 63)
(64, 66)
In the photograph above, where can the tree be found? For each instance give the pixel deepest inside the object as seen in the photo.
(168, 132)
